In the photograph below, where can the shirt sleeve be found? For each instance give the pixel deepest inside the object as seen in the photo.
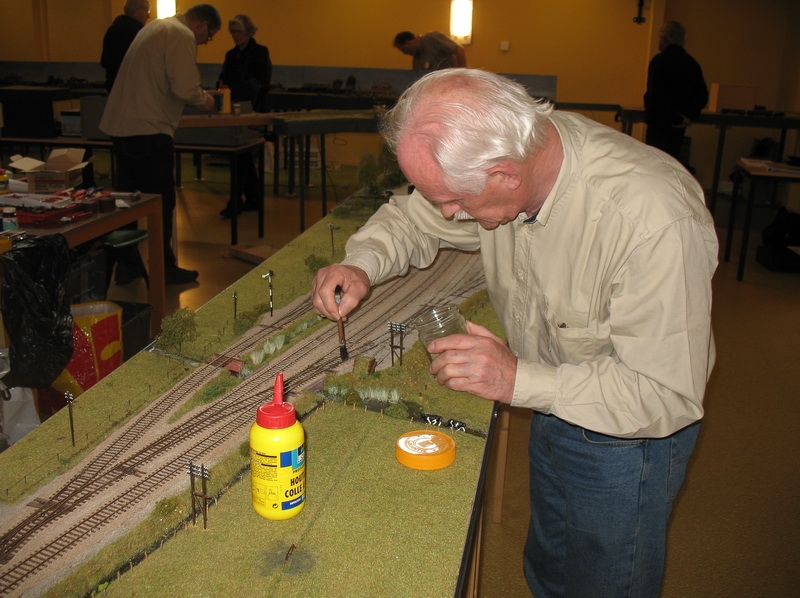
(652, 382)
(181, 68)
(407, 231)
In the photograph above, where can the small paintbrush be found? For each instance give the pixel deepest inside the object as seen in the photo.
(342, 343)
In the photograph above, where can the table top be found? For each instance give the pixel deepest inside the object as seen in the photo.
(754, 119)
(315, 122)
(769, 169)
(251, 119)
(106, 143)
(89, 228)
(76, 230)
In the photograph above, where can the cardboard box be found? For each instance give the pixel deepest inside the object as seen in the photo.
(63, 170)
(731, 97)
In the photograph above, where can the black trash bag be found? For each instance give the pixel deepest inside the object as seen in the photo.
(36, 310)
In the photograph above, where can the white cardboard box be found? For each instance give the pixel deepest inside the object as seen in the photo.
(63, 170)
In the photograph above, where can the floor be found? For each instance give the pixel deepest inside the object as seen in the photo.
(736, 526)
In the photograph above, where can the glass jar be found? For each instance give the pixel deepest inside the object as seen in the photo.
(10, 218)
(438, 322)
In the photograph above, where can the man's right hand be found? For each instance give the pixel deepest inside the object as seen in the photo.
(211, 101)
(355, 286)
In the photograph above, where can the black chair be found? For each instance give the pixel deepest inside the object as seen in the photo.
(117, 241)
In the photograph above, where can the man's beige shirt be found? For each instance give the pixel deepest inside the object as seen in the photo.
(157, 78)
(605, 298)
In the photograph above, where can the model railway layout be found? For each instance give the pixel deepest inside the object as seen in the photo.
(146, 458)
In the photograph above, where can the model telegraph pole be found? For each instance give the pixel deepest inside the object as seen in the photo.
(400, 329)
(199, 498)
(70, 401)
(269, 276)
(333, 245)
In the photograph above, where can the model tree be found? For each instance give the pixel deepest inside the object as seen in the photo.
(176, 329)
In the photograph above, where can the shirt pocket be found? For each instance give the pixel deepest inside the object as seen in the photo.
(573, 338)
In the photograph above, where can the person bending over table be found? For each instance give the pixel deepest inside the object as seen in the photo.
(598, 253)
(158, 77)
(431, 51)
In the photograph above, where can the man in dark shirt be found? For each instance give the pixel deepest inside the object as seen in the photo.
(431, 51)
(119, 36)
(676, 91)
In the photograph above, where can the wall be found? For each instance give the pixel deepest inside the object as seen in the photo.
(739, 42)
(598, 53)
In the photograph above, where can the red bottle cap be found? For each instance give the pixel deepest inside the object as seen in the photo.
(276, 414)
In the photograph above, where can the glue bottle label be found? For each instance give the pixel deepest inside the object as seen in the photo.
(278, 481)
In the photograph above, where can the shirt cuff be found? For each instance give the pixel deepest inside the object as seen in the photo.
(365, 261)
(535, 386)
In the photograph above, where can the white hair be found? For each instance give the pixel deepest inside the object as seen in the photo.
(474, 119)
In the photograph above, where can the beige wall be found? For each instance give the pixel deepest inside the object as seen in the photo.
(598, 53)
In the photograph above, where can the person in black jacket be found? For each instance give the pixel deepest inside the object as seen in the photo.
(676, 91)
(247, 72)
(119, 36)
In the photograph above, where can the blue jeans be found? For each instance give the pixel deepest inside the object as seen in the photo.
(599, 509)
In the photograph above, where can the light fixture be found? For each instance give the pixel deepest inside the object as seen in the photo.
(461, 21)
(166, 8)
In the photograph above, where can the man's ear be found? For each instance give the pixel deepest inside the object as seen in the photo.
(508, 173)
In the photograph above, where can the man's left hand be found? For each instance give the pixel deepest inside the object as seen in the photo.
(479, 363)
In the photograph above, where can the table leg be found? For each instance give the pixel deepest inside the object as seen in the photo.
(155, 257)
(302, 182)
(178, 180)
(198, 166)
(712, 202)
(261, 164)
(276, 167)
(324, 172)
(307, 163)
(234, 198)
(748, 217)
(291, 153)
(504, 423)
(737, 187)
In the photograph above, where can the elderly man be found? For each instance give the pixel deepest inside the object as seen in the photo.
(431, 51)
(158, 77)
(119, 36)
(598, 253)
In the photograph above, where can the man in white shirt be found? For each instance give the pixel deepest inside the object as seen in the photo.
(598, 253)
(158, 77)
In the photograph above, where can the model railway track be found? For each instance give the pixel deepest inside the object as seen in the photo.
(103, 471)
(452, 276)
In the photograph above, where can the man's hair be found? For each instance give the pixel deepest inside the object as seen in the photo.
(403, 37)
(673, 33)
(205, 13)
(246, 23)
(474, 119)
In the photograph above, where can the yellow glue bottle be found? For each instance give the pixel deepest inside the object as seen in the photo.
(226, 100)
(277, 458)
